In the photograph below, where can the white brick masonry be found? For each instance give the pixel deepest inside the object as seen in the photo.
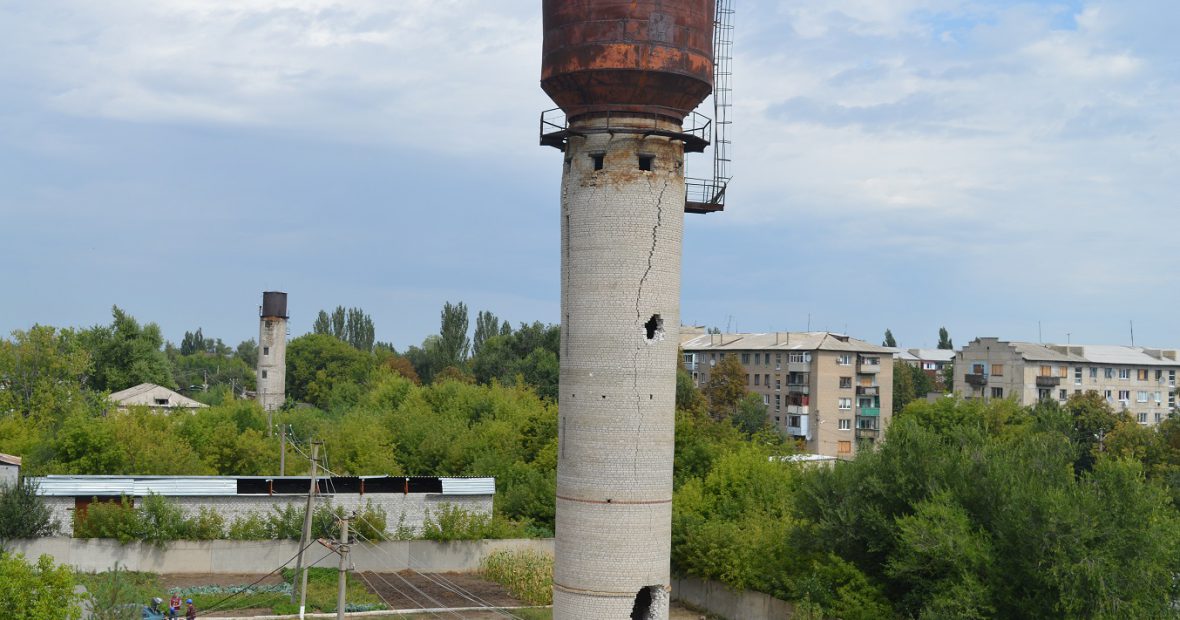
(272, 362)
(621, 244)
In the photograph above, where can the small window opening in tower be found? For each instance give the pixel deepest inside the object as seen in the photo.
(646, 162)
(643, 600)
(598, 159)
(654, 328)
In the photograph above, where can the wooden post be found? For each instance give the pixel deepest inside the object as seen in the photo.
(283, 450)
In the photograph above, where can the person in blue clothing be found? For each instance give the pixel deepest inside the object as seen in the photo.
(153, 611)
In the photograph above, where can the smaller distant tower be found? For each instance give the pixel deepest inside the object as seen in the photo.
(272, 352)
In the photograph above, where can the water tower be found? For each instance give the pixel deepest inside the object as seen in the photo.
(627, 75)
(272, 352)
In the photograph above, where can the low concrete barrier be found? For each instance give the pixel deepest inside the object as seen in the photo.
(718, 599)
(257, 557)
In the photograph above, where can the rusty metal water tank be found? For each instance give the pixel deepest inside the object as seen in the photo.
(274, 304)
(643, 56)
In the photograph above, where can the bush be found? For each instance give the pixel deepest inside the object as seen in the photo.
(38, 591)
(23, 514)
(157, 521)
(527, 574)
(109, 520)
(450, 522)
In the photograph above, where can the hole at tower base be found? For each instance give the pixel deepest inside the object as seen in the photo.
(642, 610)
(598, 159)
(654, 328)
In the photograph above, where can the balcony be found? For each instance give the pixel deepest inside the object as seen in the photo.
(868, 365)
(1048, 382)
(798, 426)
(798, 367)
(868, 433)
(868, 390)
(975, 379)
(690, 366)
(872, 412)
(798, 388)
(798, 409)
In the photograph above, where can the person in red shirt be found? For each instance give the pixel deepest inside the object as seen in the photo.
(174, 606)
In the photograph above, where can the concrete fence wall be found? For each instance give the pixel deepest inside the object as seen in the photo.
(258, 557)
(718, 599)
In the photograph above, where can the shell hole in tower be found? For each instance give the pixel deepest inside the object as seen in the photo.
(643, 600)
(646, 161)
(598, 159)
(654, 328)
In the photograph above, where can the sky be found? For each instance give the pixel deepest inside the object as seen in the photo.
(1000, 168)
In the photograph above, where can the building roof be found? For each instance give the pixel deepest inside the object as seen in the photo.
(8, 459)
(206, 486)
(902, 354)
(152, 395)
(933, 355)
(778, 341)
(1114, 355)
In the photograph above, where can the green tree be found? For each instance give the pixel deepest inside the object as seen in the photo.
(889, 341)
(38, 591)
(944, 339)
(126, 354)
(351, 325)
(903, 385)
(247, 351)
(453, 343)
(318, 364)
(726, 386)
(751, 414)
(23, 513)
(42, 370)
(487, 325)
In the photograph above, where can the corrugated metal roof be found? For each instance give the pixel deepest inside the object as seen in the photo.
(934, 355)
(468, 486)
(80, 486)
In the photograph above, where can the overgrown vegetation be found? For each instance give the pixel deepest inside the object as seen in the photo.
(23, 514)
(527, 574)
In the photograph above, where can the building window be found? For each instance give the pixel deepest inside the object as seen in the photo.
(997, 392)
(645, 162)
(1143, 374)
(1159, 417)
(776, 419)
(1046, 371)
(844, 360)
(266, 350)
(598, 159)
(1158, 398)
(1108, 373)
(844, 447)
(1063, 371)
(1141, 397)
(1094, 373)
(766, 399)
(1062, 395)
(846, 382)
(1043, 394)
(997, 370)
(747, 378)
(1172, 378)
(846, 403)
(1125, 396)
(778, 401)
(799, 358)
(1143, 418)
(757, 379)
(163, 402)
(793, 420)
(264, 374)
(778, 361)
(745, 358)
(1124, 373)
(1108, 395)
(845, 424)
(766, 380)
(1077, 375)
(778, 384)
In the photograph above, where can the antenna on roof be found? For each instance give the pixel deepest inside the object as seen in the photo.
(1040, 340)
(1132, 332)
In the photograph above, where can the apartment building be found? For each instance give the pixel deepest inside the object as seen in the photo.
(832, 392)
(1139, 380)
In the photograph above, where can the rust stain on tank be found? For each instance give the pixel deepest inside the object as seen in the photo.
(647, 56)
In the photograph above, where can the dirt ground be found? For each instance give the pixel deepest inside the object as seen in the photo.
(399, 590)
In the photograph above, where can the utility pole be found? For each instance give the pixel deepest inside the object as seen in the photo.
(283, 450)
(342, 550)
(315, 450)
